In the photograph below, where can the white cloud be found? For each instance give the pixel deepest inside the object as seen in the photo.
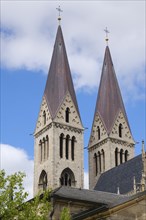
(16, 159)
(32, 27)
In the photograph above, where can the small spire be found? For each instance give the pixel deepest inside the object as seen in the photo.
(59, 11)
(143, 147)
(107, 32)
(118, 190)
(134, 184)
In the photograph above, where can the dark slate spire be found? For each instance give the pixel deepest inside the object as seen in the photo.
(109, 100)
(59, 80)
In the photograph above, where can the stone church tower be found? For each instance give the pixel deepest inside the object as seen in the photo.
(111, 142)
(58, 147)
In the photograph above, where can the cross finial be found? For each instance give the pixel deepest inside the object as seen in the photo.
(107, 32)
(59, 11)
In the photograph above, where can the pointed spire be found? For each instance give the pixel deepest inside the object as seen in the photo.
(134, 184)
(143, 148)
(118, 190)
(59, 80)
(109, 100)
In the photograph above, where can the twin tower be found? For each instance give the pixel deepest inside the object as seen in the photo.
(58, 148)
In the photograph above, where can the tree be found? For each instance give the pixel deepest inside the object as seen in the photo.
(65, 214)
(13, 203)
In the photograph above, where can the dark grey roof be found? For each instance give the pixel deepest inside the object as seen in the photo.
(109, 100)
(121, 176)
(90, 196)
(95, 210)
(59, 80)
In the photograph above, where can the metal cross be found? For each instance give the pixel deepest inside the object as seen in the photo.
(59, 11)
(107, 32)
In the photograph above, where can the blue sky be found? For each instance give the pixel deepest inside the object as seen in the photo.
(28, 30)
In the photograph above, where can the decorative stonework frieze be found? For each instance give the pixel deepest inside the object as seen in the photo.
(67, 128)
(43, 130)
(99, 144)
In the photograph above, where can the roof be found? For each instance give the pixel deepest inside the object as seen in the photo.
(98, 210)
(121, 176)
(59, 80)
(109, 100)
(85, 195)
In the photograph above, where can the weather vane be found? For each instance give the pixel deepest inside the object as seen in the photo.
(59, 11)
(107, 32)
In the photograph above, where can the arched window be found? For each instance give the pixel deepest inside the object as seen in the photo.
(98, 132)
(126, 155)
(67, 177)
(47, 145)
(120, 130)
(67, 114)
(99, 156)
(121, 156)
(41, 151)
(43, 180)
(44, 117)
(96, 165)
(116, 157)
(67, 146)
(72, 147)
(61, 145)
(44, 143)
(103, 160)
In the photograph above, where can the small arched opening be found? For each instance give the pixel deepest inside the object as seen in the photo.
(116, 157)
(121, 156)
(61, 145)
(67, 146)
(120, 130)
(44, 117)
(67, 115)
(96, 165)
(73, 148)
(98, 132)
(126, 155)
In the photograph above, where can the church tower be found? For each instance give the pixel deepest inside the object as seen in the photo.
(58, 147)
(111, 142)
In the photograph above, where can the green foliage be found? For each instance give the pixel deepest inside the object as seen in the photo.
(65, 214)
(13, 196)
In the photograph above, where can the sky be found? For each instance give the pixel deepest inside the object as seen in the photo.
(27, 36)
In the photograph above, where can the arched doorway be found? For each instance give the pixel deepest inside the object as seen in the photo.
(67, 178)
(43, 180)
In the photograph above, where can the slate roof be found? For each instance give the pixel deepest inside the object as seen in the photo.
(96, 210)
(121, 176)
(90, 196)
(59, 80)
(109, 100)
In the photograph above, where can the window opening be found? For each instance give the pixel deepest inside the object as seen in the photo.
(67, 114)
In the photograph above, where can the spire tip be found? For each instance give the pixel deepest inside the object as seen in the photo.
(59, 11)
(106, 38)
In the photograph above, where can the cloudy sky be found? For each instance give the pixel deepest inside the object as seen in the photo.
(28, 30)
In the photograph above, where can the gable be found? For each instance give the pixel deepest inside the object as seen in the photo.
(126, 133)
(97, 124)
(74, 118)
(40, 122)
